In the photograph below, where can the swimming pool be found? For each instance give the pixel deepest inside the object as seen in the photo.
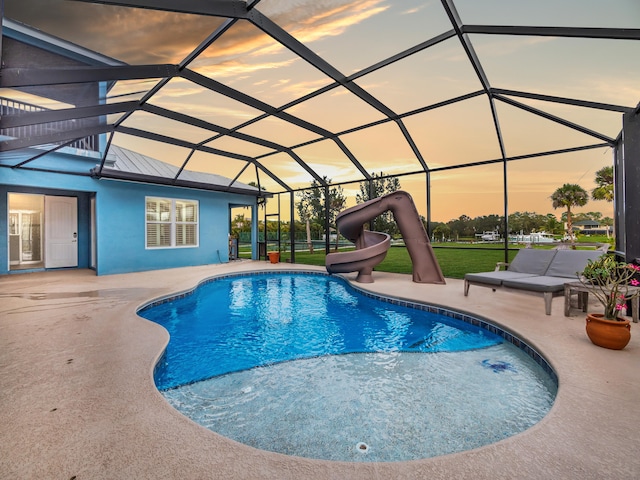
(304, 364)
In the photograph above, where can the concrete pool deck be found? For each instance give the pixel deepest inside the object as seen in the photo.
(78, 401)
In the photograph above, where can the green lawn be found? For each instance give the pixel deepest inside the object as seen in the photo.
(455, 259)
(454, 262)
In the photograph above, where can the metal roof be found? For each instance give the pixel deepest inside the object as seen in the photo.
(126, 164)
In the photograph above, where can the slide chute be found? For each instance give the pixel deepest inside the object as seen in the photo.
(371, 247)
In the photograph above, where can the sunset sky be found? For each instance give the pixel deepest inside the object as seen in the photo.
(352, 36)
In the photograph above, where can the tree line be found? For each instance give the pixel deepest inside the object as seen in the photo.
(465, 227)
(313, 214)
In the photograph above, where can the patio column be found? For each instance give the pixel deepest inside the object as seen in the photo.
(627, 193)
(292, 226)
(255, 254)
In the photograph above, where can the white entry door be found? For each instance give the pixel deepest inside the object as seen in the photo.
(61, 232)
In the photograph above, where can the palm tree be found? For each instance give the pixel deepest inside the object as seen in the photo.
(604, 190)
(604, 180)
(570, 195)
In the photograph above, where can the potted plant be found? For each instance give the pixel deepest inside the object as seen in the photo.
(274, 257)
(613, 284)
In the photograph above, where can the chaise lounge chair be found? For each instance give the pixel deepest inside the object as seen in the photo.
(538, 271)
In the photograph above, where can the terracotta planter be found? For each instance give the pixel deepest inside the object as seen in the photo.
(608, 333)
(274, 257)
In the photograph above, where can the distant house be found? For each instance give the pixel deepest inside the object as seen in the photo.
(119, 213)
(591, 227)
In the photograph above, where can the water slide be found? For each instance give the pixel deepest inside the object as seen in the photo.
(371, 247)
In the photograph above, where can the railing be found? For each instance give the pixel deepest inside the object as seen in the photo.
(15, 107)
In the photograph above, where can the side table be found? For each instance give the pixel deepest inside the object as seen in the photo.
(577, 288)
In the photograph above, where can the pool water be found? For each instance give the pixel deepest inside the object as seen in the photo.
(305, 365)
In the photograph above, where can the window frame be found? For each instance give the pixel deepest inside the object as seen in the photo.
(173, 222)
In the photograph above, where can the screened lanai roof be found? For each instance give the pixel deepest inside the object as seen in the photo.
(285, 92)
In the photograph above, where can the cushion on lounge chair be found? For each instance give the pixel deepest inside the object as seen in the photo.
(542, 271)
(532, 261)
(541, 283)
(495, 278)
(570, 263)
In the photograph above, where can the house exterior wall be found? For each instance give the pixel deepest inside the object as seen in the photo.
(120, 219)
(120, 224)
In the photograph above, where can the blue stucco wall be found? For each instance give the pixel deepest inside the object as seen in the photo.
(120, 211)
(120, 220)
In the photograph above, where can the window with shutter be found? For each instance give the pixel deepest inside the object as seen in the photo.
(171, 223)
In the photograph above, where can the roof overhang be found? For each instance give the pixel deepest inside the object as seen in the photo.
(112, 174)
